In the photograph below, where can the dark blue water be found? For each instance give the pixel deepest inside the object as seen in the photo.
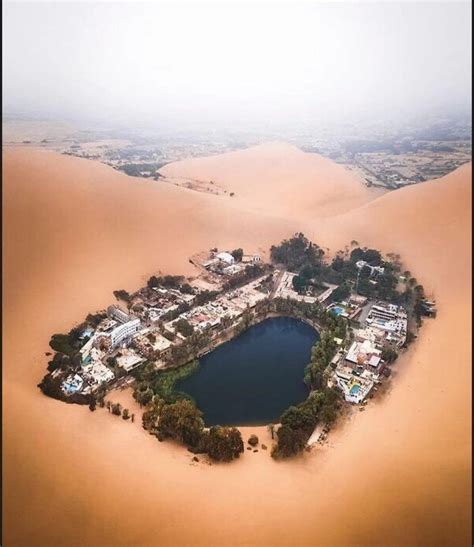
(253, 378)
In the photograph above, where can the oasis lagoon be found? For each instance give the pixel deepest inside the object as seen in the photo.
(253, 378)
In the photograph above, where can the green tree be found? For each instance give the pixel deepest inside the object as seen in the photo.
(237, 254)
(181, 421)
(299, 283)
(299, 417)
(123, 295)
(341, 293)
(151, 415)
(62, 343)
(389, 355)
(184, 327)
(143, 397)
(153, 282)
(224, 443)
(52, 387)
(186, 289)
(117, 409)
(371, 256)
(290, 442)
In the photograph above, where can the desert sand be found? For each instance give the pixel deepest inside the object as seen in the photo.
(75, 230)
(279, 179)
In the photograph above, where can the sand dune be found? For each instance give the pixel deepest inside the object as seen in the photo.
(398, 474)
(279, 178)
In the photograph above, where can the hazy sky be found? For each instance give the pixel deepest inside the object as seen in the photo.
(235, 62)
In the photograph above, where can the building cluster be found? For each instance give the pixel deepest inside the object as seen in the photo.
(154, 326)
(224, 264)
(229, 306)
(152, 304)
(285, 289)
(217, 267)
(125, 341)
(107, 341)
(349, 309)
(358, 368)
(419, 161)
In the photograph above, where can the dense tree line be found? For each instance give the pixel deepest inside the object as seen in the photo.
(298, 422)
(123, 295)
(167, 281)
(136, 169)
(306, 259)
(371, 256)
(203, 297)
(151, 382)
(183, 422)
(170, 315)
(296, 253)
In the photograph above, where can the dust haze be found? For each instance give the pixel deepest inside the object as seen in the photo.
(223, 65)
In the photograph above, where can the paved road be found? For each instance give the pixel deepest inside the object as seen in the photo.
(277, 283)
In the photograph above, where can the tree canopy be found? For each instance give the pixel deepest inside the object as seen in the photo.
(296, 252)
(184, 327)
(224, 443)
(181, 421)
(237, 254)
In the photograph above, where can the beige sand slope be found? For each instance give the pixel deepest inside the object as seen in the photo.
(398, 474)
(277, 178)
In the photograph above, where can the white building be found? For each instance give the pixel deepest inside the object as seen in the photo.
(361, 352)
(231, 270)
(123, 332)
(373, 269)
(118, 314)
(86, 348)
(96, 373)
(226, 257)
(389, 319)
(129, 360)
(355, 389)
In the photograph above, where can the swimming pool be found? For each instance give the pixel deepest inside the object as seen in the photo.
(355, 389)
(337, 310)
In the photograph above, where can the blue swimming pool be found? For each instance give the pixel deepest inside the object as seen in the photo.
(355, 390)
(337, 310)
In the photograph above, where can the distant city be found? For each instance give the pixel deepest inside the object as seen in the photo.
(385, 155)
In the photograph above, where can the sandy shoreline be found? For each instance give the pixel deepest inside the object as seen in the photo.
(75, 230)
